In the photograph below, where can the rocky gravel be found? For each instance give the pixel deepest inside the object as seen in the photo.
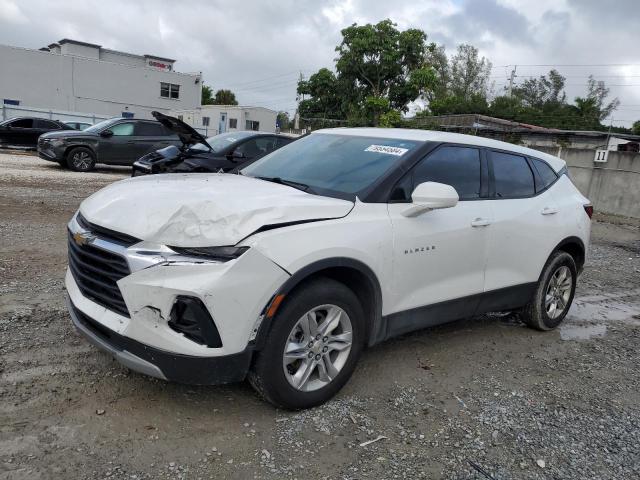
(483, 398)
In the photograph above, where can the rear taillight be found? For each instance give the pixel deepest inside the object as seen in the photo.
(589, 210)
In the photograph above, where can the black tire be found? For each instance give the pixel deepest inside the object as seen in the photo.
(81, 159)
(267, 374)
(535, 314)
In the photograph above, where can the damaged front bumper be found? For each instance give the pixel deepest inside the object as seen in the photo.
(159, 363)
(142, 336)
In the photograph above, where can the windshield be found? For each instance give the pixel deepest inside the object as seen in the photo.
(99, 126)
(220, 142)
(332, 163)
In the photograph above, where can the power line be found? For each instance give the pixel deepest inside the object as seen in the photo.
(570, 65)
(264, 79)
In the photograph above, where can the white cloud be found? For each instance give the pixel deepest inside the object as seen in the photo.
(258, 48)
(10, 12)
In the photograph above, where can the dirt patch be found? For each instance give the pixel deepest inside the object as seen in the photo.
(484, 393)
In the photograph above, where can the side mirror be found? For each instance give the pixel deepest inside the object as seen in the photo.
(431, 196)
(235, 154)
(106, 133)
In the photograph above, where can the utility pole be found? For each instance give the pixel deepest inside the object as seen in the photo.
(296, 118)
(511, 78)
(609, 134)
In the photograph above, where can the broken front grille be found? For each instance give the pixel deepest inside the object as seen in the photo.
(96, 272)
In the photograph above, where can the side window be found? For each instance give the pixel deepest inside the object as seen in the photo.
(546, 174)
(513, 177)
(282, 141)
(48, 124)
(455, 166)
(233, 123)
(149, 129)
(122, 129)
(267, 144)
(256, 146)
(22, 123)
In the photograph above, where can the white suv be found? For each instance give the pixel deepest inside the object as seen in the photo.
(340, 240)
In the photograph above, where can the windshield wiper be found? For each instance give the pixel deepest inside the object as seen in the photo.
(300, 186)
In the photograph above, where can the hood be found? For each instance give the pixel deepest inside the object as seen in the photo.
(71, 133)
(203, 210)
(188, 135)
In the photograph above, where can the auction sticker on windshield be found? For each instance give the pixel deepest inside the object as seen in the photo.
(397, 151)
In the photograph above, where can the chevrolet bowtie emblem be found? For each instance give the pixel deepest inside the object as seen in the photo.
(83, 238)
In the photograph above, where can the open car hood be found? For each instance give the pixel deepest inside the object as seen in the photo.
(203, 210)
(188, 135)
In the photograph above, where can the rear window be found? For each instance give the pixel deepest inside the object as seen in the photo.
(513, 177)
(546, 174)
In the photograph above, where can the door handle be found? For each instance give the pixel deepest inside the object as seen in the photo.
(480, 222)
(549, 211)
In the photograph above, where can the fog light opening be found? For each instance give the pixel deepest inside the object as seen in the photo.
(190, 317)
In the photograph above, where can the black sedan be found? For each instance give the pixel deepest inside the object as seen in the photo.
(221, 153)
(24, 131)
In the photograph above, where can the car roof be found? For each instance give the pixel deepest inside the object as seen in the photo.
(444, 137)
(259, 133)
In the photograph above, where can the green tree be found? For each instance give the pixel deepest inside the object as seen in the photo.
(380, 68)
(453, 104)
(542, 91)
(207, 95)
(635, 128)
(437, 59)
(596, 99)
(469, 74)
(461, 84)
(225, 97)
(283, 120)
(326, 99)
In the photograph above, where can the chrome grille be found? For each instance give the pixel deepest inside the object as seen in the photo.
(96, 272)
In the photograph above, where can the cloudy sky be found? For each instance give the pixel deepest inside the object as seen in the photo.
(259, 48)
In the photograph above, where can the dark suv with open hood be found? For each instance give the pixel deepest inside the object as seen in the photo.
(117, 141)
(224, 152)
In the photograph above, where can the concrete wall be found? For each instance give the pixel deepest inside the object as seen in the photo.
(70, 83)
(613, 187)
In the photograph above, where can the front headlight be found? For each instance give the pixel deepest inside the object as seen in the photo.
(220, 254)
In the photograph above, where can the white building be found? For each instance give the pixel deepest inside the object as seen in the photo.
(214, 119)
(72, 76)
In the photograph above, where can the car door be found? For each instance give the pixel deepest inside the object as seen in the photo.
(21, 132)
(439, 256)
(256, 147)
(525, 227)
(151, 136)
(120, 147)
(44, 126)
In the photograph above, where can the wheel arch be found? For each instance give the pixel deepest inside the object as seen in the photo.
(575, 247)
(68, 149)
(354, 274)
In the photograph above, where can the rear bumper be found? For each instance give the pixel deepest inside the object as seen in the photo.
(160, 363)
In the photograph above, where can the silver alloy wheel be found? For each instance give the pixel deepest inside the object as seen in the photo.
(81, 160)
(558, 292)
(317, 348)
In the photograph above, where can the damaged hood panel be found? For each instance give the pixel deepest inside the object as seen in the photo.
(203, 210)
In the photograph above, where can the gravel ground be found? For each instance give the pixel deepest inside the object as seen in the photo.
(476, 399)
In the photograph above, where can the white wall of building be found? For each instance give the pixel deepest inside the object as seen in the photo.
(83, 82)
(221, 118)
